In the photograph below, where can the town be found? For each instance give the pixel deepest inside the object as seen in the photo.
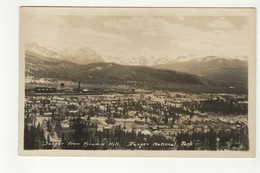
(136, 119)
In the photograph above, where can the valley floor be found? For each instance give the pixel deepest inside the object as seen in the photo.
(145, 121)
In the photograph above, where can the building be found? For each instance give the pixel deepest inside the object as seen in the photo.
(44, 90)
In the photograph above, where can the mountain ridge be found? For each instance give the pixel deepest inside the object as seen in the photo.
(82, 55)
(108, 73)
(228, 71)
(86, 55)
(209, 70)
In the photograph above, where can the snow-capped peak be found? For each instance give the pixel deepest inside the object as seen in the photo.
(83, 55)
(45, 51)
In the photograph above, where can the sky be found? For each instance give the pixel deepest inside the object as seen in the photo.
(135, 35)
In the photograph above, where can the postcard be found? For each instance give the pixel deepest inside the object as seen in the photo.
(137, 82)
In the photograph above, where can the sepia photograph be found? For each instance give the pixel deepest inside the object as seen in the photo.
(143, 82)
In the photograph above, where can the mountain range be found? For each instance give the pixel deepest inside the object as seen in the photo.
(109, 73)
(83, 55)
(90, 67)
(228, 71)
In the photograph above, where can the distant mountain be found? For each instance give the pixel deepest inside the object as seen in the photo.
(86, 64)
(82, 55)
(44, 51)
(109, 73)
(228, 71)
(139, 60)
(206, 58)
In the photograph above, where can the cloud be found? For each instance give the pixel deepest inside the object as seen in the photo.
(102, 36)
(221, 24)
(180, 18)
(146, 24)
(141, 35)
(116, 23)
(58, 33)
(176, 38)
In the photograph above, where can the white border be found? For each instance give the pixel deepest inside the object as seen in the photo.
(9, 159)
